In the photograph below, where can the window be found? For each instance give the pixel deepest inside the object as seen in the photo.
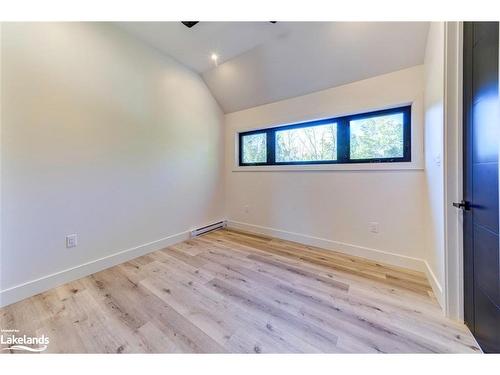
(254, 148)
(375, 137)
(311, 143)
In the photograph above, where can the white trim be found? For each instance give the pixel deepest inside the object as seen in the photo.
(371, 167)
(342, 247)
(436, 286)
(1, 153)
(453, 171)
(30, 288)
(350, 249)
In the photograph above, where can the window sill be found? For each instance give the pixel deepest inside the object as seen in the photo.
(332, 167)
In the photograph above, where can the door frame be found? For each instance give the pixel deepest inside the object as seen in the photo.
(453, 171)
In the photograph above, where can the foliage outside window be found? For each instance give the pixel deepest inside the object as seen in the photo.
(254, 146)
(307, 144)
(375, 137)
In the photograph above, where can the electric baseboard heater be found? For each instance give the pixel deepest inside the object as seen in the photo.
(208, 228)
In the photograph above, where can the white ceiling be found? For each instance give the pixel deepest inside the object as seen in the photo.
(261, 62)
(193, 46)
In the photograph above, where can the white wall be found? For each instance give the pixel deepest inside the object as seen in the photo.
(332, 208)
(103, 137)
(434, 145)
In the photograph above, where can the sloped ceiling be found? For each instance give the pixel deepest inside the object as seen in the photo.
(260, 62)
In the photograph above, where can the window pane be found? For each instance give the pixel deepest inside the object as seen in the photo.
(377, 137)
(313, 143)
(254, 148)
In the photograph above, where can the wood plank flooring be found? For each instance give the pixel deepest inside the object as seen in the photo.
(232, 292)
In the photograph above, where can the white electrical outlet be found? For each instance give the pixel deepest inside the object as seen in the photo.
(247, 209)
(373, 227)
(71, 240)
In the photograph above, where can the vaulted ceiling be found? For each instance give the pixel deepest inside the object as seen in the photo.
(261, 62)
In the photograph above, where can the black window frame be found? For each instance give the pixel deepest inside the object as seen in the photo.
(343, 139)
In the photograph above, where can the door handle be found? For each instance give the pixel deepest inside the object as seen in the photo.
(463, 205)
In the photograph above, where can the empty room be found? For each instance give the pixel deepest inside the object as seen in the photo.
(249, 187)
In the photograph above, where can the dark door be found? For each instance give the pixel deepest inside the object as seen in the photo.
(481, 144)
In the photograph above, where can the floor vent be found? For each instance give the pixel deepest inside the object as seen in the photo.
(199, 231)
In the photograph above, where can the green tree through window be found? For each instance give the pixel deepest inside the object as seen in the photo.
(312, 143)
(377, 137)
(254, 148)
(382, 136)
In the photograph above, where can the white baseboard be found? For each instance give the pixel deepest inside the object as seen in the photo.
(30, 288)
(435, 284)
(350, 249)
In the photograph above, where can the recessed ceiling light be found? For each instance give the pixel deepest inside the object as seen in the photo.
(215, 58)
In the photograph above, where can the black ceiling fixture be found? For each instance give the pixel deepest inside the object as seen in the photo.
(189, 24)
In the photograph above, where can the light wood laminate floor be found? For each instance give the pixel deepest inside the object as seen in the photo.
(233, 292)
